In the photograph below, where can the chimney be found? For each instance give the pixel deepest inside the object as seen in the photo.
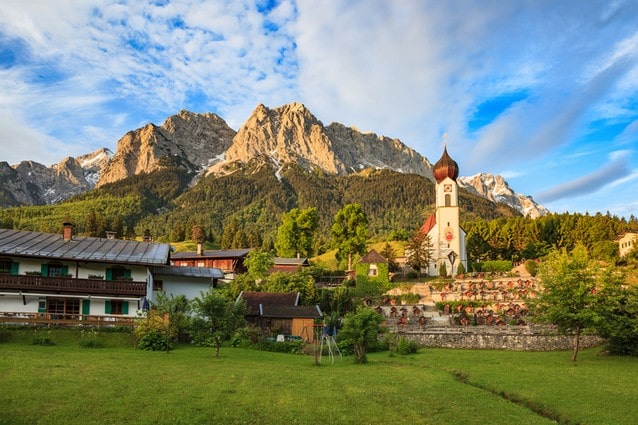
(147, 236)
(67, 231)
(110, 234)
(200, 251)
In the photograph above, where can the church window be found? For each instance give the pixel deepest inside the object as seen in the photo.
(448, 200)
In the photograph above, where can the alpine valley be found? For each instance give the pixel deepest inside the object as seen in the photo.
(196, 170)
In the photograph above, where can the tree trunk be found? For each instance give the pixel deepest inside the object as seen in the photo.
(576, 343)
(349, 261)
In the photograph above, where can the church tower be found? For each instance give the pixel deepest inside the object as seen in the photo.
(446, 235)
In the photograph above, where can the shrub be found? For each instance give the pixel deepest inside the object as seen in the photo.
(154, 340)
(152, 334)
(91, 339)
(532, 267)
(42, 339)
(246, 336)
(290, 347)
(407, 346)
(5, 334)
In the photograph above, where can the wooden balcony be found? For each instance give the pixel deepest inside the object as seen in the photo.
(69, 285)
(59, 319)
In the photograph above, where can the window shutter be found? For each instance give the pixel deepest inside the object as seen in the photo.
(127, 273)
(44, 269)
(65, 270)
(107, 307)
(109, 274)
(86, 306)
(15, 268)
(125, 307)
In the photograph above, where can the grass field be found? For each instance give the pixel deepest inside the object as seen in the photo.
(68, 384)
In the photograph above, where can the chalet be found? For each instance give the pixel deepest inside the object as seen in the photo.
(289, 265)
(182, 280)
(231, 261)
(281, 313)
(68, 277)
(372, 267)
(626, 242)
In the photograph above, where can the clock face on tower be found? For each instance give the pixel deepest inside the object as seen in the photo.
(447, 188)
(448, 234)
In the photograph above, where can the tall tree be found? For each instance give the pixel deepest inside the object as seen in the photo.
(419, 251)
(568, 297)
(350, 232)
(295, 236)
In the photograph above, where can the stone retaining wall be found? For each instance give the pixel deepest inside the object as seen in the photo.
(503, 339)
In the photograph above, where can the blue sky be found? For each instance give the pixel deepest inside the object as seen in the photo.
(544, 93)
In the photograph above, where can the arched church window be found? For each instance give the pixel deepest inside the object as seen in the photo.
(448, 200)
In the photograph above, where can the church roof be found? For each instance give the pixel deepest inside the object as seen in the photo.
(428, 225)
(445, 167)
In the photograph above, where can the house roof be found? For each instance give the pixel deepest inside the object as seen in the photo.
(291, 312)
(211, 253)
(53, 246)
(281, 261)
(209, 272)
(255, 299)
(373, 257)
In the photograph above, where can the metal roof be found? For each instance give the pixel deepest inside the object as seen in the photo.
(290, 312)
(80, 248)
(228, 253)
(284, 261)
(210, 272)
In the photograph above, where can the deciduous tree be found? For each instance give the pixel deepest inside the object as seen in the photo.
(350, 232)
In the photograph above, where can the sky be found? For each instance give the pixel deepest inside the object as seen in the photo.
(544, 93)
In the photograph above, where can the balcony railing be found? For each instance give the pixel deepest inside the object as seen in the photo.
(61, 319)
(69, 285)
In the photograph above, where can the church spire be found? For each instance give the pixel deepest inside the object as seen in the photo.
(445, 166)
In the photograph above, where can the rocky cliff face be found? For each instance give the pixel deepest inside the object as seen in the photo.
(292, 134)
(496, 189)
(31, 183)
(188, 139)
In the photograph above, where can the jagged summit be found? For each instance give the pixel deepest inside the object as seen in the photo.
(291, 133)
(496, 189)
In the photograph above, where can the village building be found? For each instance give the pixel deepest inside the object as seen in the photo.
(443, 226)
(66, 279)
(230, 261)
(373, 267)
(289, 265)
(626, 242)
(281, 313)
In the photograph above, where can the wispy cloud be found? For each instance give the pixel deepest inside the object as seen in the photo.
(510, 82)
(616, 169)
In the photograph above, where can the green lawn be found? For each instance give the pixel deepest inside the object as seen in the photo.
(68, 384)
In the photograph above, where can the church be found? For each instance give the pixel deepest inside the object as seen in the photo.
(443, 226)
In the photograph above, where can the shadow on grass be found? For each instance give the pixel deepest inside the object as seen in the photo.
(535, 407)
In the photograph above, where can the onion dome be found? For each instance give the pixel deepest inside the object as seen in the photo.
(445, 167)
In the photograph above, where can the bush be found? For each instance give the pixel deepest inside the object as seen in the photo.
(290, 347)
(154, 340)
(407, 346)
(532, 267)
(245, 337)
(90, 339)
(152, 333)
(5, 334)
(42, 339)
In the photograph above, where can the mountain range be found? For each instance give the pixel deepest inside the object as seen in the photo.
(203, 145)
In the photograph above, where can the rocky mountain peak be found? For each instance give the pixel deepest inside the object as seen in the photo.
(291, 133)
(496, 189)
(190, 139)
